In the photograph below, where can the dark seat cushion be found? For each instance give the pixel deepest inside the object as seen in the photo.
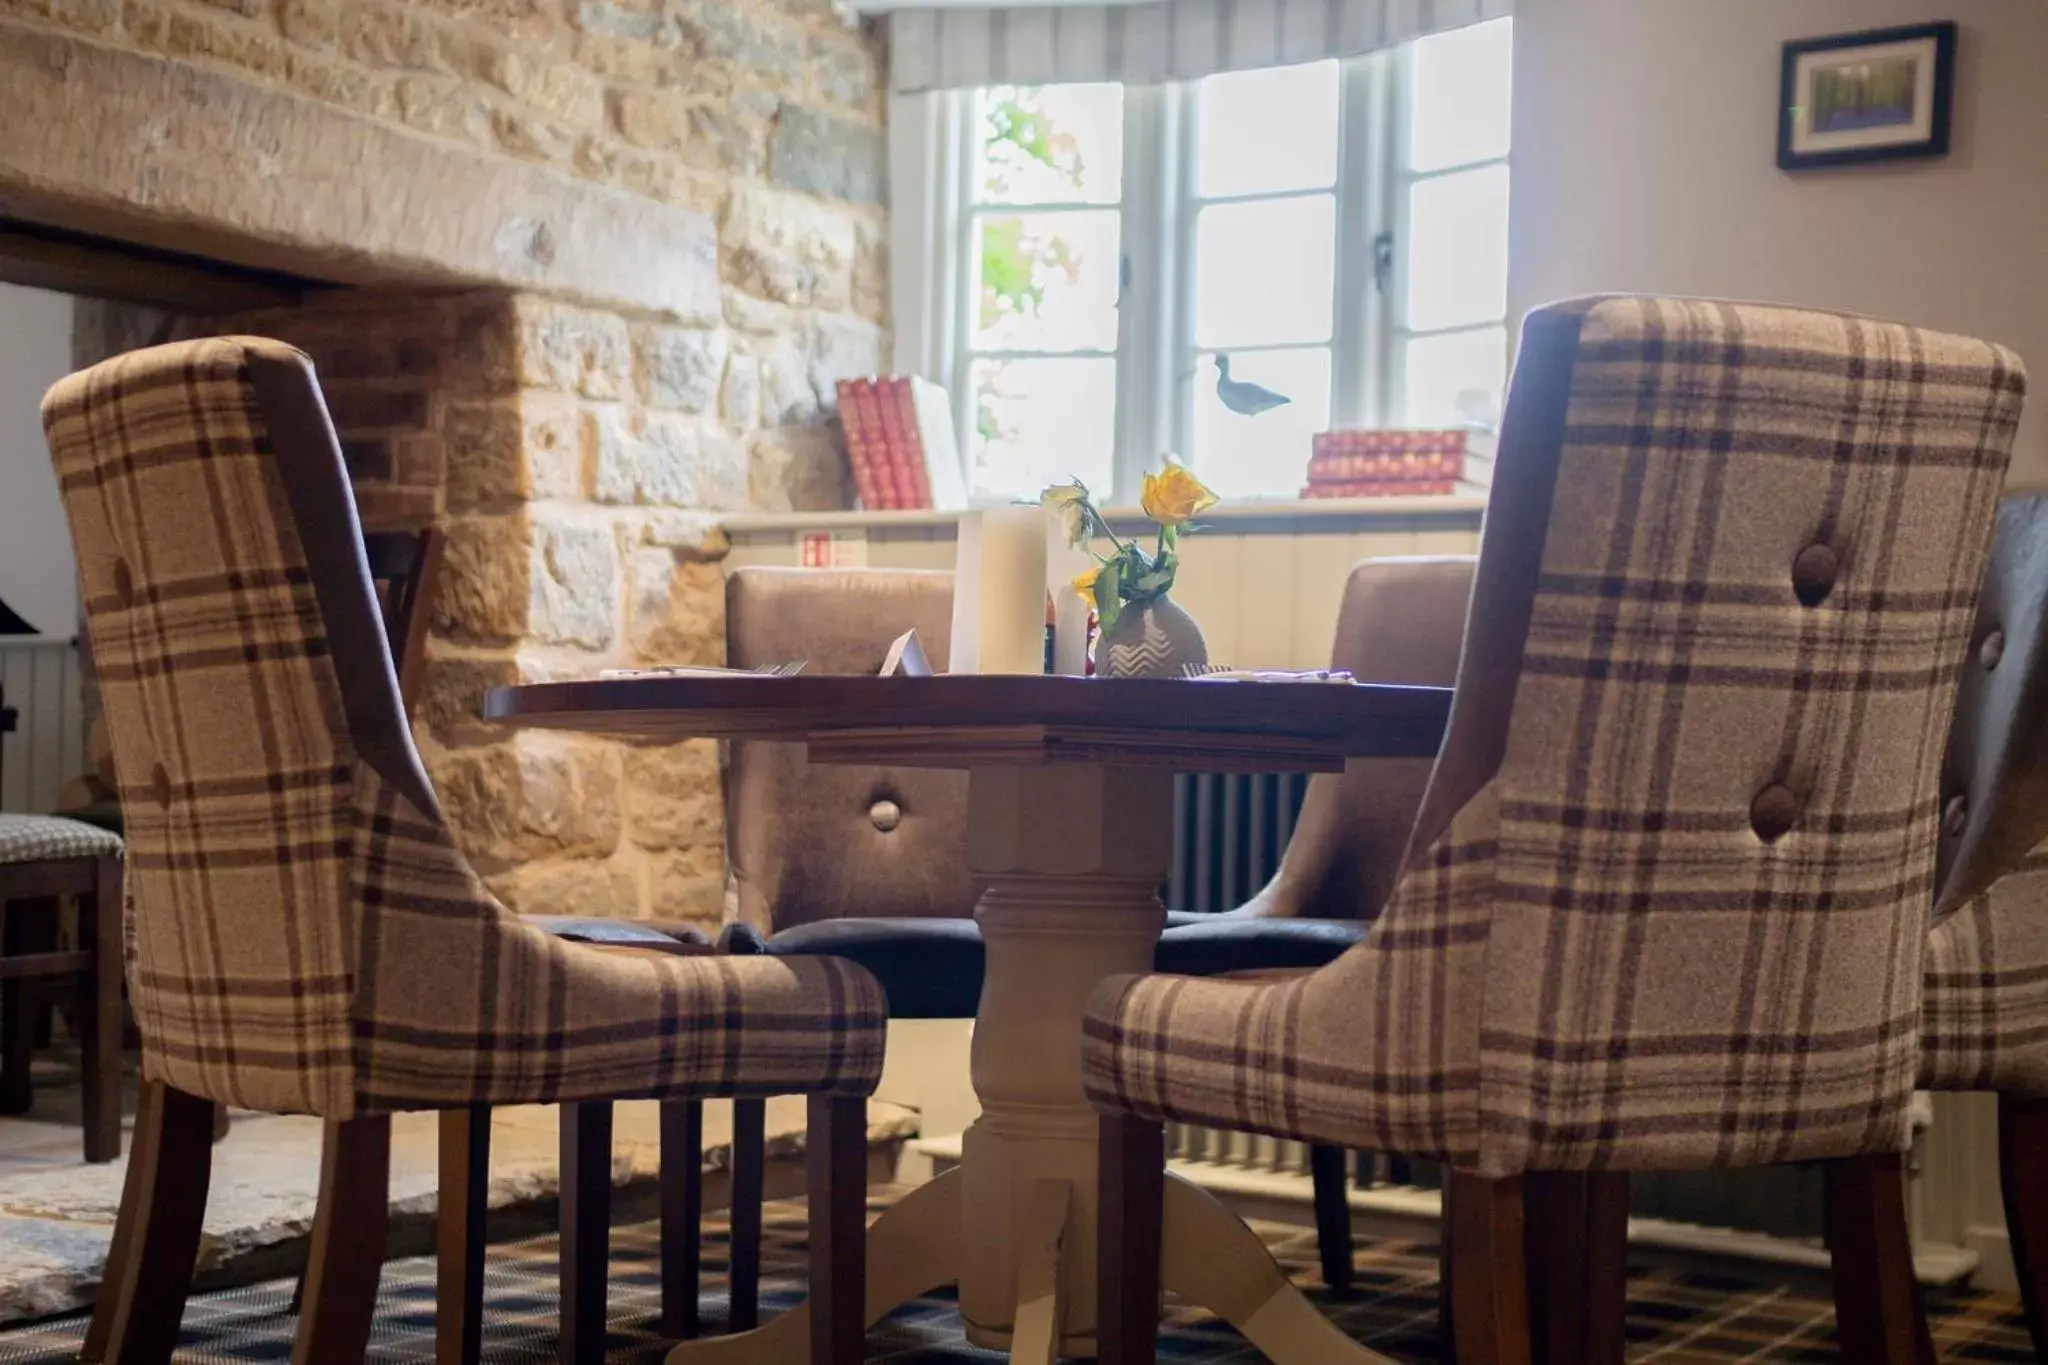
(1215, 945)
(931, 968)
(620, 933)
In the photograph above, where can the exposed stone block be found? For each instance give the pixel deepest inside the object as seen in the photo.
(843, 69)
(510, 450)
(673, 795)
(483, 591)
(740, 404)
(787, 396)
(842, 348)
(604, 888)
(825, 154)
(452, 690)
(571, 349)
(750, 38)
(788, 250)
(177, 155)
(661, 460)
(871, 270)
(798, 470)
(677, 368)
(537, 794)
(677, 611)
(573, 581)
(689, 885)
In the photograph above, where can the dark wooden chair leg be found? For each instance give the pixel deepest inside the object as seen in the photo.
(1576, 1248)
(586, 1229)
(460, 1210)
(350, 1229)
(749, 1161)
(1333, 1216)
(1490, 1286)
(837, 1161)
(176, 1161)
(682, 1214)
(27, 925)
(2023, 1173)
(1878, 1317)
(140, 1160)
(99, 1014)
(1131, 1178)
(1607, 1268)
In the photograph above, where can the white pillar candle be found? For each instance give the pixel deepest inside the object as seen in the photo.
(999, 592)
(1065, 563)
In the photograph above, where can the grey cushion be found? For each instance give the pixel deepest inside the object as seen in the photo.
(43, 838)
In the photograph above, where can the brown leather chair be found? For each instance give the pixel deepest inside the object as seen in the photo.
(869, 864)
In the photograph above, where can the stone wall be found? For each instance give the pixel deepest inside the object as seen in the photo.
(577, 386)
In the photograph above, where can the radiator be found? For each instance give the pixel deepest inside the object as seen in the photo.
(40, 687)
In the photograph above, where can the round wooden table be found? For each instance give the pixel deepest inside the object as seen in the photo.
(1070, 829)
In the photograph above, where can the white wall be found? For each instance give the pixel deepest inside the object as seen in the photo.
(38, 576)
(1645, 159)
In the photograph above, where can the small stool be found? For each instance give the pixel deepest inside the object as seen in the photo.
(43, 857)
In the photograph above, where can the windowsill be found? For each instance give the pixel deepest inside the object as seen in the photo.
(1278, 517)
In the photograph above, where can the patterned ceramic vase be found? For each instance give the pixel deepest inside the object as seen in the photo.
(1156, 640)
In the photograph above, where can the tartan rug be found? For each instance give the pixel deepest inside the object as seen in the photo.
(1674, 1317)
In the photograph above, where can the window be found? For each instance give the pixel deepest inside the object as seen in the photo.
(1116, 272)
(1043, 228)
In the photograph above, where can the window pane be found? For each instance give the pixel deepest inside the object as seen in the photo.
(1264, 455)
(1048, 281)
(1458, 249)
(1038, 422)
(1265, 272)
(1461, 84)
(1051, 144)
(1266, 130)
(1457, 379)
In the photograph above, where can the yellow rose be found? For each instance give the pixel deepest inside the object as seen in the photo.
(1085, 583)
(1174, 495)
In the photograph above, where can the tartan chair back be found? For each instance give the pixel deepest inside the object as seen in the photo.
(1722, 600)
(1666, 899)
(307, 936)
(223, 576)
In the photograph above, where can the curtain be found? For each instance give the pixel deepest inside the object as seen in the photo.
(1160, 40)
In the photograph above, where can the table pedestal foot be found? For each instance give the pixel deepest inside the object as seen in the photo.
(1214, 1261)
(1035, 1338)
(912, 1249)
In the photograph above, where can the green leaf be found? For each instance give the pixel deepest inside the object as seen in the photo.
(1109, 591)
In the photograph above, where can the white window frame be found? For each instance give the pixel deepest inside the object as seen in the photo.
(932, 175)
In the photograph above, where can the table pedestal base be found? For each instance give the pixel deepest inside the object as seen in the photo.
(1211, 1259)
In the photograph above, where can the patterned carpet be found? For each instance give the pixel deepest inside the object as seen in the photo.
(1676, 1319)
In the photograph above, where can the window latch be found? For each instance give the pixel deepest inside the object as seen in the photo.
(1123, 279)
(1383, 262)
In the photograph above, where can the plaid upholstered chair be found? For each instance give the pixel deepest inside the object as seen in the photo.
(307, 938)
(1666, 895)
(1984, 1023)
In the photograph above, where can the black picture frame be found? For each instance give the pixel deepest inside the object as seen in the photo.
(1935, 142)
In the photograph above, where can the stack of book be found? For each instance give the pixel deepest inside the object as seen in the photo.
(899, 443)
(1394, 464)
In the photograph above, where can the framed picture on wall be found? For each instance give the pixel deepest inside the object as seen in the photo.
(1866, 96)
